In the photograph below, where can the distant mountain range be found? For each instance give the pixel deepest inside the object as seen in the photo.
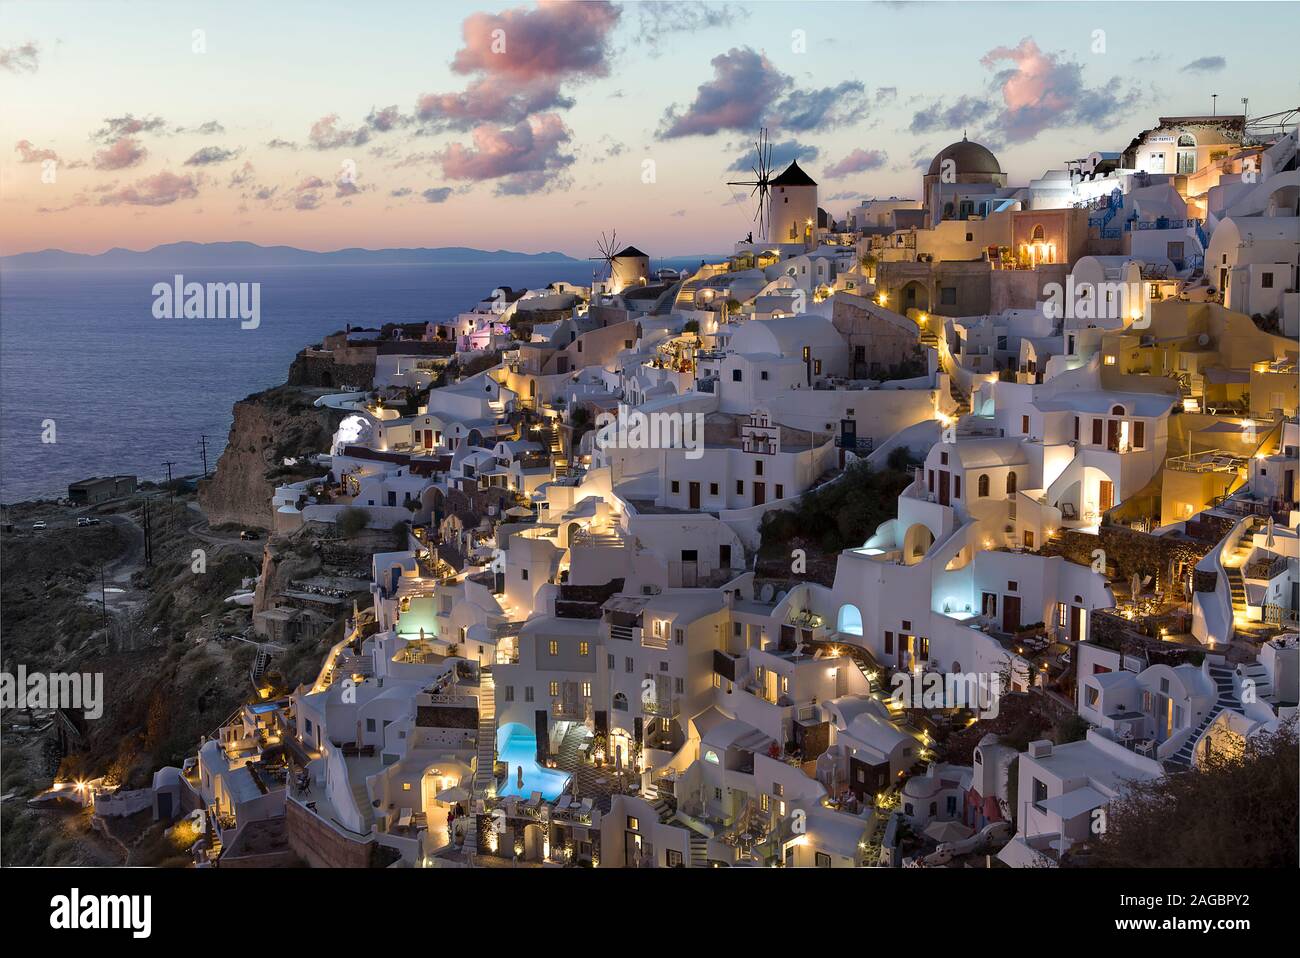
(199, 255)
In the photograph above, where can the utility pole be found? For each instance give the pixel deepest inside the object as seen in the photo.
(1214, 104)
(203, 445)
(171, 494)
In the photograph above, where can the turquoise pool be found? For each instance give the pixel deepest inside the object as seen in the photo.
(516, 747)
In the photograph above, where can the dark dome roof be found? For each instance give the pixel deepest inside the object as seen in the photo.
(794, 176)
(969, 156)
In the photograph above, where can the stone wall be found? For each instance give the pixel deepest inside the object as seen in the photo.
(321, 846)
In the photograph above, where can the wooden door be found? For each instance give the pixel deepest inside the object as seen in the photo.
(695, 495)
(1106, 495)
(1010, 613)
(943, 487)
(760, 493)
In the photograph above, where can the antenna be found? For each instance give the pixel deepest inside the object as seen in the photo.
(762, 181)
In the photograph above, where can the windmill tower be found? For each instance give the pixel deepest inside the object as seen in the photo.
(761, 183)
(624, 268)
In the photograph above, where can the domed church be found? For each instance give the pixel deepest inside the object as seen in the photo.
(961, 164)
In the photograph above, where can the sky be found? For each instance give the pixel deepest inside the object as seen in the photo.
(327, 125)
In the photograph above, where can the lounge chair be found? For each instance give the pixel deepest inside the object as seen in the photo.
(586, 806)
(534, 799)
(563, 802)
(404, 818)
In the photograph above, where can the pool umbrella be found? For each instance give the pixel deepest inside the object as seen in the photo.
(452, 795)
(947, 831)
(1268, 541)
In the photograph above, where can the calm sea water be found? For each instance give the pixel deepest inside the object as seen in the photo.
(127, 391)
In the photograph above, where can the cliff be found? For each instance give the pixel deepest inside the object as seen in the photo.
(268, 428)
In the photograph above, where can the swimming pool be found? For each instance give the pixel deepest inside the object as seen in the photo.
(516, 747)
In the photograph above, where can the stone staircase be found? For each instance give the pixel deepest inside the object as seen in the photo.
(1237, 586)
(484, 779)
(1227, 699)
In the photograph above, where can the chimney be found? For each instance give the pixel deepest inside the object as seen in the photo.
(1040, 749)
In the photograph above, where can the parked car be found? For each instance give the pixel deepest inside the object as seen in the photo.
(38, 525)
(82, 522)
(246, 534)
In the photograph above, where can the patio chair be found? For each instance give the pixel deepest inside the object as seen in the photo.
(404, 818)
(1067, 511)
(563, 802)
(586, 806)
(534, 799)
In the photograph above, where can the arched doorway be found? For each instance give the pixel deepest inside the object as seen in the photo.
(849, 620)
(916, 543)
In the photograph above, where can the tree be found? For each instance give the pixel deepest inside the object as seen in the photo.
(1233, 811)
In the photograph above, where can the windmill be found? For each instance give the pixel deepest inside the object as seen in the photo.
(762, 181)
(608, 249)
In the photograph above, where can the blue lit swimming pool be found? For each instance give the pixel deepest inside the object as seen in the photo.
(517, 746)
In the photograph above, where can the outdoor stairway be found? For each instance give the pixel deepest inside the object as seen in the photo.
(549, 436)
(568, 758)
(1237, 586)
(699, 851)
(487, 735)
(260, 664)
(362, 798)
(686, 295)
(1227, 699)
(663, 809)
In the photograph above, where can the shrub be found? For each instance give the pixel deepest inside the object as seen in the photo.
(351, 521)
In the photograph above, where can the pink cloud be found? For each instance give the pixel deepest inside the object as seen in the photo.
(554, 40)
(125, 152)
(27, 153)
(325, 134)
(1031, 82)
(157, 190)
(492, 98)
(528, 154)
(859, 161)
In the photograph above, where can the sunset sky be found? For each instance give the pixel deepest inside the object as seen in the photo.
(328, 125)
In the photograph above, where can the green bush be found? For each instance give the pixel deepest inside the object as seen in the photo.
(351, 521)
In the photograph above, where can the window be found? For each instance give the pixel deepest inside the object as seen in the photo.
(555, 689)
(586, 690)
(676, 487)
(1040, 794)
(609, 662)
(1076, 428)
(632, 824)
(663, 666)
(1096, 432)
(370, 725)
(523, 575)
(510, 693)
(758, 467)
(1013, 586)
(943, 459)
(628, 665)
(764, 802)
(1266, 280)
(952, 805)
(679, 685)
(822, 860)
(713, 488)
(740, 487)
(780, 491)
(983, 486)
(1024, 425)
(735, 376)
(1109, 359)
(553, 647)
(948, 296)
(1139, 435)
(1011, 483)
(528, 693)
(762, 374)
(584, 648)
(956, 487)
(620, 702)
(970, 237)
(679, 636)
(1091, 696)
(889, 643)
(817, 363)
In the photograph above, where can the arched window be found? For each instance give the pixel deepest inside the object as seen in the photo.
(1187, 140)
(956, 666)
(849, 620)
(1117, 410)
(1039, 235)
(984, 486)
(1011, 483)
(620, 701)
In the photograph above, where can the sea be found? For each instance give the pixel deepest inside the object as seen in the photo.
(92, 384)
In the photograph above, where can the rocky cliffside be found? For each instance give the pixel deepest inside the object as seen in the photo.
(268, 428)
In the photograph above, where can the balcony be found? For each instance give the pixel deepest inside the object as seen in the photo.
(1208, 460)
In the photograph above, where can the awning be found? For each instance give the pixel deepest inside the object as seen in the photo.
(1074, 803)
